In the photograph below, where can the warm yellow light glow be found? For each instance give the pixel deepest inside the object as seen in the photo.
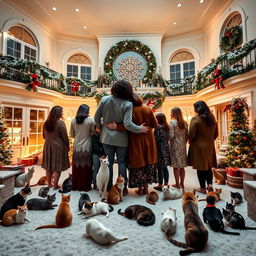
(179, 5)
(54, 8)
(77, 10)
(84, 27)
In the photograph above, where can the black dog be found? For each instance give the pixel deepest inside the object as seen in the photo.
(17, 200)
(213, 217)
(83, 198)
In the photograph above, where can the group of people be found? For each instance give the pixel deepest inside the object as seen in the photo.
(141, 141)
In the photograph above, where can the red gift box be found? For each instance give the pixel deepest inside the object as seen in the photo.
(29, 161)
(234, 171)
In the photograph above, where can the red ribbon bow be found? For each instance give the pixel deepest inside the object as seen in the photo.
(75, 86)
(34, 82)
(217, 79)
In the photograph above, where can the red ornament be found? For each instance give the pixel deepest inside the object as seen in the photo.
(234, 157)
(237, 141)
(227, 34)
(236, 123)
(245, 138)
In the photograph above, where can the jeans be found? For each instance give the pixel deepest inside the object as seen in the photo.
(163, 174)
(121, 153)
(96, 167)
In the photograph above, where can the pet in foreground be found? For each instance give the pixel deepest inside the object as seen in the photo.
(196, 235)
(215, 194)
(142, 214)
(14, 201)
(172, 193)
(152, 197)
(67, 185)
(15, 216)
(95, 208)
(219, 178)
(102, 177)
(42, 204)
(24, 178)
(63, 216)
(236, 198)
(115, 194)
(84, 197)
(42, 181)
(43, 191)
(169, 221)
(100, 234)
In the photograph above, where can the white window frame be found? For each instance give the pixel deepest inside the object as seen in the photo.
(23, 44)
(181, 67)
(79, 68)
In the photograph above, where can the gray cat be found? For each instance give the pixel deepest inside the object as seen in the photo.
(42, 204)
(43, 191)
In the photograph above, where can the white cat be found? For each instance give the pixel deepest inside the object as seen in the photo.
(172, 193)
(100, 234)
(102, 177)
(169, 221)
(95, 208)
(24, 178)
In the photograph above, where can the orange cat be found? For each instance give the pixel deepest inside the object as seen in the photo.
(42, 181)
(152, 197)
(215, 194)
(115, 194)
(63, 216)
(15, 216)
(219, 178)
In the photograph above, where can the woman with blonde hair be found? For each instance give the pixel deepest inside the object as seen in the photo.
(178, 141)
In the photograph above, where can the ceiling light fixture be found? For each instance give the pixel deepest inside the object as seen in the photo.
(179, 5)
(77, 10)
(201, 1)
(54, 8)
(174, 23)
(84, 27)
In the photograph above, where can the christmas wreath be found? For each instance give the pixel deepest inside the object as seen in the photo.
(130, 45)
(231, 38)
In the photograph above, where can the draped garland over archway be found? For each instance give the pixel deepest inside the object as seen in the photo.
(130, 45)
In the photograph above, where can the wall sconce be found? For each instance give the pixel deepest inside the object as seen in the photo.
(47, 63)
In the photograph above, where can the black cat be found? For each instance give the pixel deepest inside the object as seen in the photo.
(83, 198)
(43, 191)
(67, 185)
(17, 200)
(236, 198)
(42, 204)
(213, 217)
(235, 220)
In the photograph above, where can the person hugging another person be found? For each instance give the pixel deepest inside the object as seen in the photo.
(178, 141)
(203, 131)
(81, 128)
(161, 133)
(56, 147)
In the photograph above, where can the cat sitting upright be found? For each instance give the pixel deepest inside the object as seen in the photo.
(43, 191)
(24, 178)
(115, 194)
(67, 185)
(213, 217)
(215, 194)
(84, 197)
(42, 204)
(15, 216)
(169, 221)
(102, 177)
(17, 200)
(100, 234)
(236, 198)
(219, 178)
(63, 217)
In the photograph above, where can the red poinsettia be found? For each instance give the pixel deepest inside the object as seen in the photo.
(75, 86)
(35, 82)
(151, 104)
(217, 79)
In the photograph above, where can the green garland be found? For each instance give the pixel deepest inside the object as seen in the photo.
(231, 39)
(130, 45)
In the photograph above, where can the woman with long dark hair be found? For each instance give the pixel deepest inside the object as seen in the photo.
(203, 131)
(161, 133)
(56, 147)
(81, 128)
(178, 141)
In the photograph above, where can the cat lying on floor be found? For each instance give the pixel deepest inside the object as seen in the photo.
(171, 193)
(95, 208)
(42, 204)
(100, 234)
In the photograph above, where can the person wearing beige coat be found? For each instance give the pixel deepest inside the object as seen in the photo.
(203, 131)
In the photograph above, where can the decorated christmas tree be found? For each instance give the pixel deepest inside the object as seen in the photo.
(242, 146)
(5, 146)
(254, 129)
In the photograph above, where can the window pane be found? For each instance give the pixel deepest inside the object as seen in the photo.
(69, 68)
(41, 115)
(18, 113)
(192, 65)
(178, 67)
(8, 125)
(17, 127)
(10, 43)
(7, 113)
(16, 139)
(32, 139)
(190, 69)
(32, 127)
(40, 126)
(40, 139)
(33, 114)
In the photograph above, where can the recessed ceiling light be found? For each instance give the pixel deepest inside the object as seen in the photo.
(77, 10)
(54, 8)
(174, 23)
(201, 1)
(84, 27)
(179, 5)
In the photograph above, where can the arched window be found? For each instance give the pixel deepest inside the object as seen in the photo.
(79, 66)
(182, 64)
(21, 44)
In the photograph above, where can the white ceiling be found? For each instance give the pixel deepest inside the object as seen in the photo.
(103, 17)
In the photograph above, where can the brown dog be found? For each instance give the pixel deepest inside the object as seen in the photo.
(196, 235)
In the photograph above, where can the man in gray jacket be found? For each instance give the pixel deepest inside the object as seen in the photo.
(117, 108)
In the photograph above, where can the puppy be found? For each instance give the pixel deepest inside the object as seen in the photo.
(100, 234)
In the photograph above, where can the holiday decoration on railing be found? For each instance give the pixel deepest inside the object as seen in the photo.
(5, 146)
(151, 104)
(217, 79)
(34, 83)
(231, 39)
(241, 151)
(75, 86)
(130, 45)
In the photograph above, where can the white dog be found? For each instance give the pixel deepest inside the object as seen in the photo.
(100, 234)
(169, 221)
(172, 193)
(102, 177)
(24, 178)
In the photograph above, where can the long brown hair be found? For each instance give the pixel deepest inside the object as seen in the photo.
(54, 115)
(161, 119)
(177, 115)
(136, 100)
(202, 109)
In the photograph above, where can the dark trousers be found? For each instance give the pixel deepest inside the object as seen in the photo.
(204, 176)
(163, 174)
